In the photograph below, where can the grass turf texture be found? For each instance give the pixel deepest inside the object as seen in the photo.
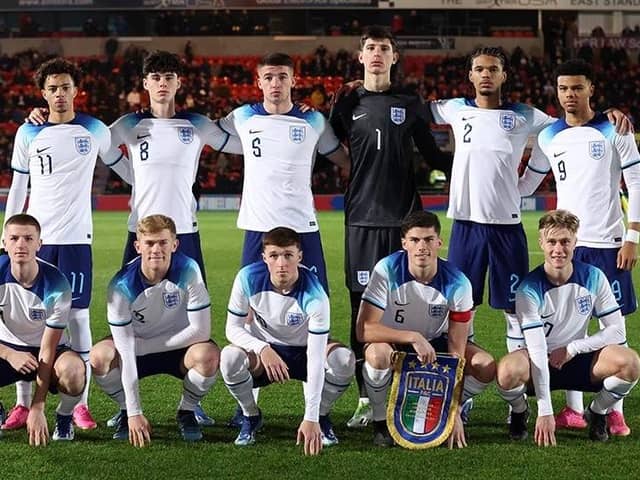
(490, 454)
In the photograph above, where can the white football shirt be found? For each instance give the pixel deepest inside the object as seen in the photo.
(587, 163)
(25, 312)
(60, 159)
(164, 155)
(489, 144)
(412, 305)
(279, 153)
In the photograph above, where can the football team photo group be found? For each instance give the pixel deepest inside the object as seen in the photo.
(413, 290)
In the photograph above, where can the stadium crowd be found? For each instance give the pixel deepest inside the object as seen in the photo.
(213, 86)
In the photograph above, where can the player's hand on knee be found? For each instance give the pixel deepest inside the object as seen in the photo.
(277, 370)
(37, 116)
(457, 438)
(37, 427)
(139, 431)
(545, 434)
(559, 357)
(22, 362)
(424, 349)
(310, 435)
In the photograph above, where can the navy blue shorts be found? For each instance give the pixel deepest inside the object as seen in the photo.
(9, 376)
(620, 280)
(188, 243)
(296, 360)
(312, 254)
(502, 249)
(574, 375)
(364, 247)
(76, 262)
(170, 362)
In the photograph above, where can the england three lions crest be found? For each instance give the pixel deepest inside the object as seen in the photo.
(398, 115)
(508, 121)
(596, 149)
(297, 134)
(171, 299)
(185, 134)
(424, 399)
(584, 305)
(83, 145)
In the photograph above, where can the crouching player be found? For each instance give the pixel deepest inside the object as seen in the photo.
(35, 300)
(554, 304)
(415, 300)
(287, 337)
(158, 310)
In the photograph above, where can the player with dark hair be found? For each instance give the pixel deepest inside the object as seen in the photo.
(58, 159)
(278, 325)
(588, 159)
(381, 124)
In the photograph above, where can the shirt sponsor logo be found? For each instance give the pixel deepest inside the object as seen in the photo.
(294, 319)
(398, 115)
(596, 149)
(507, 121)
(437, 311)
(584, 305)
(37, 314)
(171, 299)
(363, 277)
(185, 134)
(297, 134)
(83, 145)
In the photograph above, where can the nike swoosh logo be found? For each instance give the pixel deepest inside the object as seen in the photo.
(399, 304)
(556, 155)
(546, 316)
(40, 150)
(356, 117)
(251, 132)
(143, 136)
(464, 119)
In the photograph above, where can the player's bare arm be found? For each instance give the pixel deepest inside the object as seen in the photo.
(628, 253)
(276, 368)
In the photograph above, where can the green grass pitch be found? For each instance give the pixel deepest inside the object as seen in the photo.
(489, 455)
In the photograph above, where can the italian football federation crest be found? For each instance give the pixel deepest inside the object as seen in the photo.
(508, 121)
(398, 115)
(297, 134)
(596, 149)
(83, 145)
(424, 399)
(185, 134)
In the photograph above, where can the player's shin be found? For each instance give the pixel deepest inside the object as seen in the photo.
(234, 368)
(23, 393)
(377, 382)
(111, 384)
(614, 389)
(194, 387)
(67, 402)
(341, 364)
(472, 387)
(514, 397)
(80, 336)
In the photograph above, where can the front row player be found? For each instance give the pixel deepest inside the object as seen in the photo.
(287, 337)
(415, 300)
(35, 299)
(159, 315)
(554, 304)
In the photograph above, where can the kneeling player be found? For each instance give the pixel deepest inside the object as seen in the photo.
(35, 300)
(554, 304)
(286, 338)
(158, 310)
(416, 300)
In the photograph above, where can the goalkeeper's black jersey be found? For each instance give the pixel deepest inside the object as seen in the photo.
(381, 130)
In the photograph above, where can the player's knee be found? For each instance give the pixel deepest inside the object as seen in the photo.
(233, 363)
(101, 357)
(483, 367)
(341, 362)
(507, 374)
(630, 370)
(205, 358)
(378, 355)
(70, 371)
